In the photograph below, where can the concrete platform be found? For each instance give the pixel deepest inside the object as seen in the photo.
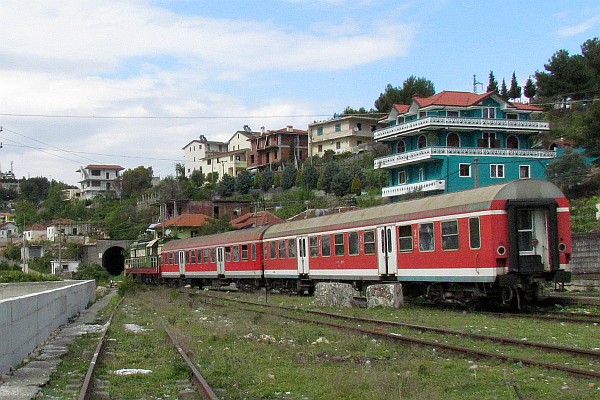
(26, 382)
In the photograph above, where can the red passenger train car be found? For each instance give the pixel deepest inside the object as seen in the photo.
(495, 241)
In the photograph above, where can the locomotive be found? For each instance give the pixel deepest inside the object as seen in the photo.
(503, 241)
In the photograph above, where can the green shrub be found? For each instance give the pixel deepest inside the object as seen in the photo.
(92, 271)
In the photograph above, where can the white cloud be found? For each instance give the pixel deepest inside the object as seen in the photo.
(582, 27)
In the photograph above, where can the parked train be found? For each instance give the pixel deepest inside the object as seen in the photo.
(500, 241)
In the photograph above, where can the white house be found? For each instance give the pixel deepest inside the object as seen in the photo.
(343, 134)
(197, 150)
(99, 179)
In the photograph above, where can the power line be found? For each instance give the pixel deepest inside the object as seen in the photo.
(161, 116)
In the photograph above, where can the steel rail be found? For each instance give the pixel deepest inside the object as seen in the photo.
(85, 388)
(197, 379)
(429, 343)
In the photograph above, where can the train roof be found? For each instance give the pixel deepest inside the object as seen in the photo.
(239, 236)
(452, 203)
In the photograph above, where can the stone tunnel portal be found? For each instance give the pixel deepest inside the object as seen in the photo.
(113, 260)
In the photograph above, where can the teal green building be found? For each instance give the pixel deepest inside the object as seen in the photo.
(455, 141)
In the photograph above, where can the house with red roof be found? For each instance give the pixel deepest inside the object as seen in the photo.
(348, 133)
(183, 226)
(277, 146)
(252, 220)
(99, 179)
(455, 141)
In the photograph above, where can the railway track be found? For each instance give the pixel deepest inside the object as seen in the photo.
(87, 389)
(578, 318)
(285, 312)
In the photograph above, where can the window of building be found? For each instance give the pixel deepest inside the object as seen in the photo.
(464, 170)
(450, 238)
(452, 113)
(358, 126)
(452, 140)
(474, 235)
(402, 177)
(421, 174)
(426, 237)
(422, 114)
(339, 244)
(251, 158)
(320, 131)
(405, 238)
(401, 147)
(524, 171)
(489, 112)
(338, 145)
(512, 142)
(320, 148)
(95, 172)
(292, 248)
(95, 183)
(422, 142)
(488, 139)
(497, 171)
(353, 245)
(314, 246)
(325, 245)
(369, 242)
(338, 127)
(512, 116)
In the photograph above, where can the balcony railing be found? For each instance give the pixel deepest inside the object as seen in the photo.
(426, 153)
(455, 122)
(413, 187)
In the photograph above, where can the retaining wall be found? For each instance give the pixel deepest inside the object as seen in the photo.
(30, 312)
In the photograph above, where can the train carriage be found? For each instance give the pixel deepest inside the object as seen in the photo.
(235, 255)
(143, 263)
(460, 245)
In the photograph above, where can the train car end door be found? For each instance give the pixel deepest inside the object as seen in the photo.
(181, 263)
(387, 254)
(220, 260)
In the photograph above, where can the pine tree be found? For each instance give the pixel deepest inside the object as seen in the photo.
(530, 89)
(515, 90)
(503, 90)
(492, 83)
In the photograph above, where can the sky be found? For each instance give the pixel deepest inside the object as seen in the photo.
(131, 82)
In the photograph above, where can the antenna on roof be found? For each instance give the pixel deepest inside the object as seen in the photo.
(475, 83)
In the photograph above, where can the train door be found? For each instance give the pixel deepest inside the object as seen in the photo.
(302, 243)
(533, 236)
(386, 250)
(532, 232)
(221, 260)
(181, 263)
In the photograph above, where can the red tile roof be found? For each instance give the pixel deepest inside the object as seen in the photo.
(450, 98)
(250, 220)
(526, 107)
(402, 108)
(186, 220)
(101, 166)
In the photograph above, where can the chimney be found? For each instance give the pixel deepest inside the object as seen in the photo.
(290, 128)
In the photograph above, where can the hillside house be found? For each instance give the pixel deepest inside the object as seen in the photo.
(276, 147)
(455, 141)
(99, 179)
(350, 133)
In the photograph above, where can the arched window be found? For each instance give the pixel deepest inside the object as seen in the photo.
(422, 142)
(452, 140)
(512, 142)
(400, 147)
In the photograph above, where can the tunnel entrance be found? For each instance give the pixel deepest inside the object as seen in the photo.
(113, 260)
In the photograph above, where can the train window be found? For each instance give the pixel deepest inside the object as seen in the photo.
(236, 253)
(228, 253)
(193, 256)
(325, 246)
(244, 252)
(292, 248)
(525, 230)
(369, 242)
(314, 246)
(405, 238)
(187, 257)
(339, 244)
(353, 245)
(474, 233)
(213, 255)
(282, 248)
(450, 235)
(426, 237)
(273, 245)
(253, 251)
(206, 255)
